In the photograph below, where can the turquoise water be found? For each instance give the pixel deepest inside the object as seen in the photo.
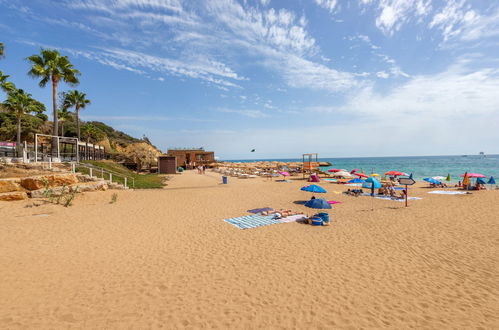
(419, 166)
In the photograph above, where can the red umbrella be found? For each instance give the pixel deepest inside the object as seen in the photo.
(334, 170)
(353, 171)
(361, 175)
(396, 173)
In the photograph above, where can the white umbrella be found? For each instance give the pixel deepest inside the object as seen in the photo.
(438, 178)
(343, 174)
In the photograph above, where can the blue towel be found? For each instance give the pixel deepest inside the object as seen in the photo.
(252, 221)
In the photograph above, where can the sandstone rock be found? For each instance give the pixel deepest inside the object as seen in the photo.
(32, 183)
(62, 179)
(9, 186)
(80, 187)
(13, 196)
(91, 186)
(117, 186)
(55, 180)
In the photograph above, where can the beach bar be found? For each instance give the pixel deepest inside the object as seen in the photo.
(189, 158)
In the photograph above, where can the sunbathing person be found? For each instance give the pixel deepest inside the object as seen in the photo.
(403, 194)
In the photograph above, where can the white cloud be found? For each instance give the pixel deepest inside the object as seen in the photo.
(395, 13)
(458, 21)
(382, 74)
(456, 93)
(330, 5)
(246, 112)
(301, 73)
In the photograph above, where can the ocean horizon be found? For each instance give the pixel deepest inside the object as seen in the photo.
(420, 166)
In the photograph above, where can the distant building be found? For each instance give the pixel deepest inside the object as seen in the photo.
(192, 157)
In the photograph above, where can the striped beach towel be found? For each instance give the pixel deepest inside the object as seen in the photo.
(252, 221)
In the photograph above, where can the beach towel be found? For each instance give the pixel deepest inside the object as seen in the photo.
(330, 180)
(446, 192)
(252, 221)
(293, 218)
(263, 209)
(388, 198)
(354, 184)
(333, 202)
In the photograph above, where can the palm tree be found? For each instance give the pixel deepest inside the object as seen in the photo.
(92, 133)
(2, 48)
(51, 66)
(77, 100)
(63, 115)
(5, 85)
(21, 103)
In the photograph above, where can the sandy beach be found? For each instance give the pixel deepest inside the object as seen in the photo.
(166, 259)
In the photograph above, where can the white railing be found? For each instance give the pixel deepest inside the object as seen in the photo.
(96, 170)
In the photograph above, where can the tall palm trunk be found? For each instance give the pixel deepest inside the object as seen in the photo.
(18, 141)
(55, 124)
(78, 120)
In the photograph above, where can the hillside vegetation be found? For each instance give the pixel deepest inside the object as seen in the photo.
(140, 181)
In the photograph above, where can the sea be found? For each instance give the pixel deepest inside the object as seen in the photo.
(420, 166)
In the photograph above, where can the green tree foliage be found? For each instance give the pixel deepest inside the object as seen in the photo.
(50, 66)
(42, 116)
(21, 103)
(91, 133)
(78, 100)
(64, 116)
(29, 126)
(2, 50)
(5, 85)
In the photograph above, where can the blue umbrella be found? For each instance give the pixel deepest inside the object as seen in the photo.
(431, 180)
(356, 180)
(372, 183)
(491, 180)
(314, 189)
(318, 203)
(480, 181)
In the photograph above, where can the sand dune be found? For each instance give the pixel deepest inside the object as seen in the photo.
(165, 259)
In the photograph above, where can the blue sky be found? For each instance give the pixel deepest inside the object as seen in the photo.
(341, 78)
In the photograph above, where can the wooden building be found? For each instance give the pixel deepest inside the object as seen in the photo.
(167, 165)
(190, 158)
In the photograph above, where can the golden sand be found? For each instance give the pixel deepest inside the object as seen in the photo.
(165, 258)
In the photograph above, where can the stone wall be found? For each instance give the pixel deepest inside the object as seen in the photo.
(35, 186)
